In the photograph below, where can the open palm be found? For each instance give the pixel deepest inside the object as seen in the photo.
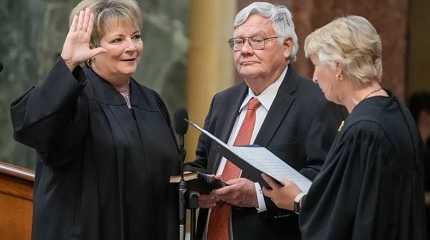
(76, 48)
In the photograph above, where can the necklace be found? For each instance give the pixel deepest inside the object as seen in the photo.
(341, 126)
(372, 92)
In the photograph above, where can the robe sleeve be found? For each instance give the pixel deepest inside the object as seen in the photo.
(51, 116)
(344, 198)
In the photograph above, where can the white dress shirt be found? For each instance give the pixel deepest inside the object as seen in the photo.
(266, 99)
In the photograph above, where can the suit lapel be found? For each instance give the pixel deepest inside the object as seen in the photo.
(231, 113)
(229, 116)
(279, 109)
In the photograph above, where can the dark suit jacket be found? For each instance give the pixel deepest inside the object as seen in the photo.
(298, 128)
(103, 168)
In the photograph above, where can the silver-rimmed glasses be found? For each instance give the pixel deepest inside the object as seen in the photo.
(256, 42)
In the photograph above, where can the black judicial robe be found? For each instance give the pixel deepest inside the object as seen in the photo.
(371, 184)
(104, 168)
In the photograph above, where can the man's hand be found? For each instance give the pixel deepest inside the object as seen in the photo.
(76, 48)
(207, 200)
(282, 196)
(239, 192)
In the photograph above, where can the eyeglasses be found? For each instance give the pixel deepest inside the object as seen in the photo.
(256, 42)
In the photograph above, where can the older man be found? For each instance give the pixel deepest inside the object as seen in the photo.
(273, 107)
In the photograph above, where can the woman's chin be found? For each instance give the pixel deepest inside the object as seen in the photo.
(128, 71)
(329, 98)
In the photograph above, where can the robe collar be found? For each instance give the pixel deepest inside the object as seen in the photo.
(105, 93)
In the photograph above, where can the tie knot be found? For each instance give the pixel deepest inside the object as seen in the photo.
(253, 104)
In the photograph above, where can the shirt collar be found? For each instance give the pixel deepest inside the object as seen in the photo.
(268, 95)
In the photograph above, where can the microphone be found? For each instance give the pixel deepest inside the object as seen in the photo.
(181, 125)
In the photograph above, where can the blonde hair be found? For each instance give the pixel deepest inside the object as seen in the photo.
(107, 10)
(351, 41)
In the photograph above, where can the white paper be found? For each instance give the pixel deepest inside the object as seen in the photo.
(261, 159)
(267, 162)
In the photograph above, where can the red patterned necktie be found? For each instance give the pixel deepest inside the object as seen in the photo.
(219, 220)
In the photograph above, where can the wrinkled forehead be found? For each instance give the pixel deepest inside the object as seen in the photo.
(254, 25)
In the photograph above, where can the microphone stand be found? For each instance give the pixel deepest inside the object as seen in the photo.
(182, 190)
(187, 199)
(193, 204)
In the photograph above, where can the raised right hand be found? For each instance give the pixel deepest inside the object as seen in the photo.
(76, 48)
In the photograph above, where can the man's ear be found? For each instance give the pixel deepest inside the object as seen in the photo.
(288, 47)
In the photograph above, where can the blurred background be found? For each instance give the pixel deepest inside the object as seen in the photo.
(186, 56)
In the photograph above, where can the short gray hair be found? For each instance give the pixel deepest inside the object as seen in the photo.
(354, 43)
(282, 21)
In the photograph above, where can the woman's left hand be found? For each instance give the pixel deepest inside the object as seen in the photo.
(282, 196)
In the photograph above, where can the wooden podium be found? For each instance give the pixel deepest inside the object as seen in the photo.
(16, 196)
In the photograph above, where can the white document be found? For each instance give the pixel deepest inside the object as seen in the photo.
(261, 159)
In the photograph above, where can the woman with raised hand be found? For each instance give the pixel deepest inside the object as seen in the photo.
(371, 184)
(104, 142)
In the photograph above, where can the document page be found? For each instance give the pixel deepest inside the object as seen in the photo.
(267, 162)
(261, 159)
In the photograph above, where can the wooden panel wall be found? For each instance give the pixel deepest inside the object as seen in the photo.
(16, 187)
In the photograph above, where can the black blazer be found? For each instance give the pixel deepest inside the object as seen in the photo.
(103, 168)
(298, 128)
